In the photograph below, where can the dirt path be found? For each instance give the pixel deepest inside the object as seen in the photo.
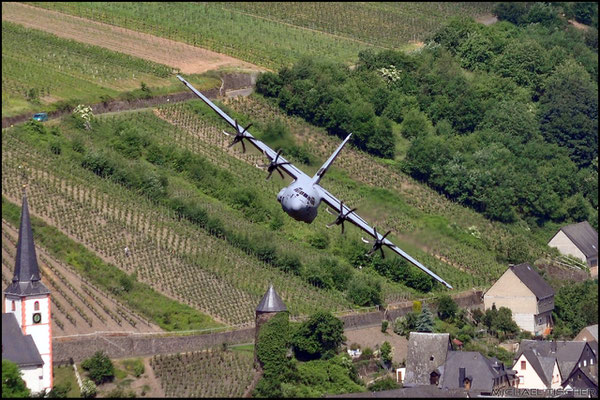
(188, 59)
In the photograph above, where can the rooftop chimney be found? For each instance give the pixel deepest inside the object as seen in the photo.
(461, 377)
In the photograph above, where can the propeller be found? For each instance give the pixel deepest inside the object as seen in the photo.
(341, 217)
(239, 136)
(273, 165)
(377, 244)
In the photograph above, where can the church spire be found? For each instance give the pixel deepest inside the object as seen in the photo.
(27, 279)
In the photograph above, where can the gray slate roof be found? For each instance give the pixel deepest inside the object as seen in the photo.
(529, 276)
(426, 353)
(271, 302)
(567, 353)
(428, 391)
(26, 280)
(17, 347)
(480, 370)
(584, 237)
(593, 330)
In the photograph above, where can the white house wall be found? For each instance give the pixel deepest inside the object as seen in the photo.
(566, 246)
(31, 376)
(529, 379)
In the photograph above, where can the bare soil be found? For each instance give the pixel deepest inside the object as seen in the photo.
(373, 337)
(188, 59)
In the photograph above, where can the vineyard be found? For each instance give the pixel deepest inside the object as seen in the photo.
(413, 211)
(388, 24)
(78, 306)
(40, 67)
(281, 34)
(174, 257)
(211, 373)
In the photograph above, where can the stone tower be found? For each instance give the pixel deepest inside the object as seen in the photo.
(29, 300)
(269, 306)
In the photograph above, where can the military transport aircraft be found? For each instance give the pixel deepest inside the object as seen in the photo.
(302, 197)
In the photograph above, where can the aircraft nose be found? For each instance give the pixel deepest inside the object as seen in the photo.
(296, 205)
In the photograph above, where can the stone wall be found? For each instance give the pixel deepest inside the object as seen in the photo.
(138, 346)
(123, 346)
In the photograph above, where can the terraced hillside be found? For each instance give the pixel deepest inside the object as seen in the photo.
(211, 373)
(171, 255)
(279, 34)
(78, 306)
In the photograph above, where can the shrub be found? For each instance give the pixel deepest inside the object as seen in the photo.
(364, 291)
(384, 325)
(319, 337)
(99, 367)
(383, 384)
(88, 389)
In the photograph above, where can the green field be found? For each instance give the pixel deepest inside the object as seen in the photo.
(40, 69)
(279, 34)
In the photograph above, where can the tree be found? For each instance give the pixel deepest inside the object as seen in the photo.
(514, 12)
(425, 321)
(504, 323)
(386, 353)
(319, 337)
(446, 307)
(415, 124)
(364, 291)
(406, 324)
(99, 367)
(12, 383)
(569, 112)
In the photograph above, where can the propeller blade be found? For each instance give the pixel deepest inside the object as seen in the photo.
(279, 173)
(388, 232)
(382, 253)
(246, 128)
(243, 146)
(342, 227)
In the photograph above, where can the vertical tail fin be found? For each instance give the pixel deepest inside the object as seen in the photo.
(317, 178)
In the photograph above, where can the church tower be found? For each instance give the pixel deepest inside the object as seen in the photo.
(269, 306)
(29, 299)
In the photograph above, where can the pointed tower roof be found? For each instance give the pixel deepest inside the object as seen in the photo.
(271, 302)
(27, 279)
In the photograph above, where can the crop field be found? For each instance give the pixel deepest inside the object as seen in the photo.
(211, 373)
(390, 24)
(418, 216)
(40, 67)
(280, 34)
(78, 306)
(172, 256)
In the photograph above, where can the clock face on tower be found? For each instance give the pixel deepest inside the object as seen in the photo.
(37, 318)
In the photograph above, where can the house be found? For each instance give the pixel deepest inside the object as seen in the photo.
(527, 295)
(588, 334)
(426, 353)
(583, 378)
(472, 371)
(580, 241)
(27, 336)
(547, 364)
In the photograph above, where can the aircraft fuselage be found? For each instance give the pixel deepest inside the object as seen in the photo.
(300, 201)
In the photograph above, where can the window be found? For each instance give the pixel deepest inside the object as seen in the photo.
(36, 306)
(14, 307)
(523, 364)
(585, 363)
(521, 380)
(591, 361)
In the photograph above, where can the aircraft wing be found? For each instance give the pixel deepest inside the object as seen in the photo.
(290, 169)
(334, 203)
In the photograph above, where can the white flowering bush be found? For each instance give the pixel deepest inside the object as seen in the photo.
(84, 114)
(390, 74)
